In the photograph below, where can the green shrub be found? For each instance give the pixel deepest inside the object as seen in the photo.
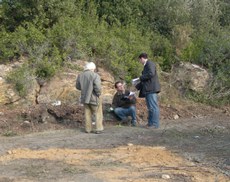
(212, 52)
(120, 51)
(163, 51)
(48, 65)
(66, 35)
(22, 79)
(7, 47)
(29, 41)
(45, 69)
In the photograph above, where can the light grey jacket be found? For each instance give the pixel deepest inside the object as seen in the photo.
(89, 83)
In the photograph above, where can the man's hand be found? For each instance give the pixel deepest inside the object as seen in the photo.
(131, 97)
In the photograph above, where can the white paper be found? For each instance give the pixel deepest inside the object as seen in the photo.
(131, 93)
(135, 81)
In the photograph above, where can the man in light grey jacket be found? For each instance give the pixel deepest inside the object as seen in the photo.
(89, 83)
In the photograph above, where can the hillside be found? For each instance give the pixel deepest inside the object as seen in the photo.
(46, 142)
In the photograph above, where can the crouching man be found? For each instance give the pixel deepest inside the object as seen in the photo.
(124, 104)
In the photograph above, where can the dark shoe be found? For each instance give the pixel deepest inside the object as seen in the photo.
(133, 123)
(98, 132)
(88, 131)
(150, 127)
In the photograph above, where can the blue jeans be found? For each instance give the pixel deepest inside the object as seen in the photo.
(123, 113)
(153, 109)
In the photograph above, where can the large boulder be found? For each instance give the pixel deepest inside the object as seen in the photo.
(190, 76)
(8, 94)
(62, 86)
(107, 81)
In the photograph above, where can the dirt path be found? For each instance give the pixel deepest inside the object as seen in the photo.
(181, 150)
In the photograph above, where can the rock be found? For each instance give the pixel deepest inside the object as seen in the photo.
(190, 76)
(45, 117)
(26, 122)
(7, 93)
(32, 92)
(61, 87)
(4, 70)
(196, 137)
(56, 103)
(176, 116)
(165, 176)
(107, 82)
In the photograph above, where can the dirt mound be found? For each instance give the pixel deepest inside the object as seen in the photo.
(17, 121)
(38, 118)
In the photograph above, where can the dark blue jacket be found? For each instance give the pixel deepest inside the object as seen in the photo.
(149, 82)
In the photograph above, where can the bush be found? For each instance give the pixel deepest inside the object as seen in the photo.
(48, 65)
(120, 51)
(211, 50)
(21, 78)
(66, 35)
(7, 47)
(30, 41)
(163, 51)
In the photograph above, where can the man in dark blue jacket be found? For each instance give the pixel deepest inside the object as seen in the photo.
(149, 87)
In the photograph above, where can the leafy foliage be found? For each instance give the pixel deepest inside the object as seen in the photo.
(225, 13)
(114, 33)
(21, 78)
(7, 48)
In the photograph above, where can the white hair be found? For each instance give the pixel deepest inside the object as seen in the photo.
(90, 66)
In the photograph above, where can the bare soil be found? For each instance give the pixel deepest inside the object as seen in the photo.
(48, 143)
